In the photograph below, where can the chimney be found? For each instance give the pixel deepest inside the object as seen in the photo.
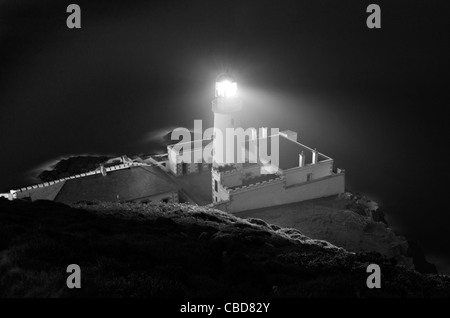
(301, 159)
(315, 156)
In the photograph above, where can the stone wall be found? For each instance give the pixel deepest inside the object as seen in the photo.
(275, 192)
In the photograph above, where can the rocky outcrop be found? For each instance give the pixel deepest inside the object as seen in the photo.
(401, 248)
(349, 220)
(420, 262)
(378, 216)
(182, 251)
(72, 166)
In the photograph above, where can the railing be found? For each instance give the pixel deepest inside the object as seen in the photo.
(254, 185)
(81, 175)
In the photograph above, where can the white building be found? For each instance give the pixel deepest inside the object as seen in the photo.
(125, 182)
(179, 167)
(303, 173)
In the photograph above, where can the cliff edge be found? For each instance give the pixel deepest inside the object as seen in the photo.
(351, 221)
(179, 250)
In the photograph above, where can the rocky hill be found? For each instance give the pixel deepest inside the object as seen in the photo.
(351, 221)
(72, 166)
(178, 250)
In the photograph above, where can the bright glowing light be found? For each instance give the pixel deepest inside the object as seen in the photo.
(226, 89)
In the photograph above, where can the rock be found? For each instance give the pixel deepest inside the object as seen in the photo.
(258, 222)
(420, 263)
(274, 227)
(72, 166)
(378, 216)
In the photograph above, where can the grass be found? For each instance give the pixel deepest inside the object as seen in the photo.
(177, 250)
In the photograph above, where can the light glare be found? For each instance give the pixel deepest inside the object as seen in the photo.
(226, 89)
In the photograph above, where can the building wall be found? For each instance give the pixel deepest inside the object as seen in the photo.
(6, 196)
(49, 190)
(45, 191)
(231, 179)
(172, 156)
(221, 194)
(251, 171)
(175, 162)
(299, 174)
(234, 178)
(275, 193)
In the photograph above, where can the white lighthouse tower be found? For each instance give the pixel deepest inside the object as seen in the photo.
(226, 107)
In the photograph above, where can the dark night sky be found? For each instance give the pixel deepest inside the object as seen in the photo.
(374, 100)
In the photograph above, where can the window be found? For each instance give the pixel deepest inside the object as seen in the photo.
(217, 199)
(216, 186)
(165, 200)
(309, 177)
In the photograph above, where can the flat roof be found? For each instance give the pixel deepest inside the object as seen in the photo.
(289, 151)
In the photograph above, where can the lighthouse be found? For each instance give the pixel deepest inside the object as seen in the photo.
(226, 107)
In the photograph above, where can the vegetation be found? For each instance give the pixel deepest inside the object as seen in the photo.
(177, 250)
(72, 166)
